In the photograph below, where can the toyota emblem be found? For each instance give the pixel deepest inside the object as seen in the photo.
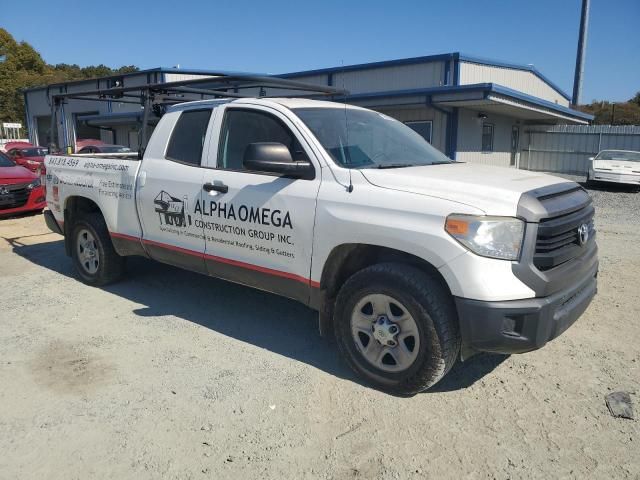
(3, 191)
(583, 234)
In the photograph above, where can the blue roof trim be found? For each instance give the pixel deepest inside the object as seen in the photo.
(366, 66)
(485, 88)
(457, 56)
(514, 66)
(163, 70)
(539, 101)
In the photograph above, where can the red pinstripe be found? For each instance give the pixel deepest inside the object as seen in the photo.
(228, 261)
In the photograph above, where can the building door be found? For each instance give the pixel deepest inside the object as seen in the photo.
(515, 140)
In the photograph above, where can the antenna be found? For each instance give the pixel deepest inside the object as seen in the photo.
(346, 128)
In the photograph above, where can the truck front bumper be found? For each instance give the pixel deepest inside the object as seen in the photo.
(518, 326)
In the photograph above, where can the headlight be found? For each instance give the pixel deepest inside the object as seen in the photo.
(33, 162)
(34, 184)
(494, 237)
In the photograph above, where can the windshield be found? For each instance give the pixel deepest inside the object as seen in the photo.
(367, 139)
(619, 155)
(34, 152)
(6, 161)
(113, 149)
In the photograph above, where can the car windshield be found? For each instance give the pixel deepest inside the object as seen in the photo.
(6, 161)
(113, 149)
(366, 139)
(34, 152)
(619, 155)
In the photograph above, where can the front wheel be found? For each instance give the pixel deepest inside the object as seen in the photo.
(397, 327)
(93, 254)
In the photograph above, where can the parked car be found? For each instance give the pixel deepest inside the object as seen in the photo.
(617, 166)
(412, 260)
(105, 148)
(20, 189)
(28, 156)
(16, 144)
(86, 142)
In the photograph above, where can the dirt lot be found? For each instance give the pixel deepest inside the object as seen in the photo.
(173, 375)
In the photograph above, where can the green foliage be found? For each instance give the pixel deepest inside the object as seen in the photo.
(23, 67)
(622, 113)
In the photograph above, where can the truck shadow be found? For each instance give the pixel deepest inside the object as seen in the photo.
(262, 319)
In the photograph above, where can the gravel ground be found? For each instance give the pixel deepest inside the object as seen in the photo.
(173, 375)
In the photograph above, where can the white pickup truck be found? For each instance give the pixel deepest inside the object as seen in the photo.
(412, 260)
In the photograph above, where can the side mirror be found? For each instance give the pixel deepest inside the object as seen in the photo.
(276, 158)
(591, 159)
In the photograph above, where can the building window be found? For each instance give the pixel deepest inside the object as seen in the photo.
(188, 135)
(487, 138)
(422, 127)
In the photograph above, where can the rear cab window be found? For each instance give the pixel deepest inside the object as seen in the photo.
(187, 139)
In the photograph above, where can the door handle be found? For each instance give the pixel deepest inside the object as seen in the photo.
(210, 187)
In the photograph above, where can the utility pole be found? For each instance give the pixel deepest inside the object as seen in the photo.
(613, 112)
(582, 47)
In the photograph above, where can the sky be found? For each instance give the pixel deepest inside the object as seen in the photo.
(283, 36)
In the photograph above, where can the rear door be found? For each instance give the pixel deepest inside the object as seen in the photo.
(258, 226)
(170, 187)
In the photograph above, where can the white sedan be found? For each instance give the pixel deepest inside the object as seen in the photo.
(618, 166)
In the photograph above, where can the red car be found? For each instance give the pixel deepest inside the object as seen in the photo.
(20, 189)
(27, 155)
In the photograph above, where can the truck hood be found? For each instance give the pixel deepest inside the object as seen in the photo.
(617, 166)
(494, 190)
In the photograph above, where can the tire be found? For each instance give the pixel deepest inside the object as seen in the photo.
(105, 265)
(589, 182)
(436, 338)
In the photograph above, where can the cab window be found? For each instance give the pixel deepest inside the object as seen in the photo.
(187, 138)
(243, 127)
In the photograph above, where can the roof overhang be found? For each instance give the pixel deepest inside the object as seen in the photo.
(485, 97)
(109, 120)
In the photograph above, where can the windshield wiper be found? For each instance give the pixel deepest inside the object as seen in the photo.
(395, 165)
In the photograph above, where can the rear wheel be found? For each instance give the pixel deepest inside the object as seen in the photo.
(397, 327)
(93, 254)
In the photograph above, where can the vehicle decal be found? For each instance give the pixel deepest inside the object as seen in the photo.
(171, 209)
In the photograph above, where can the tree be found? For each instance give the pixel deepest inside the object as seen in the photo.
(23, 67)
(622, 113)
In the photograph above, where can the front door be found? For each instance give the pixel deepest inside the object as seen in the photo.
(515, 140)
(170, 188)
(259, 226)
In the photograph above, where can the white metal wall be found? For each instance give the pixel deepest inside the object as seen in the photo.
(567, 148)
(470, 139)
(382, 79)
(520, 80)
(418, 113)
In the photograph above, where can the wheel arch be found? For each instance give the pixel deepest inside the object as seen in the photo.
(347, 259)
(73, 207)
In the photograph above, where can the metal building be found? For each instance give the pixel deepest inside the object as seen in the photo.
(472, 109)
